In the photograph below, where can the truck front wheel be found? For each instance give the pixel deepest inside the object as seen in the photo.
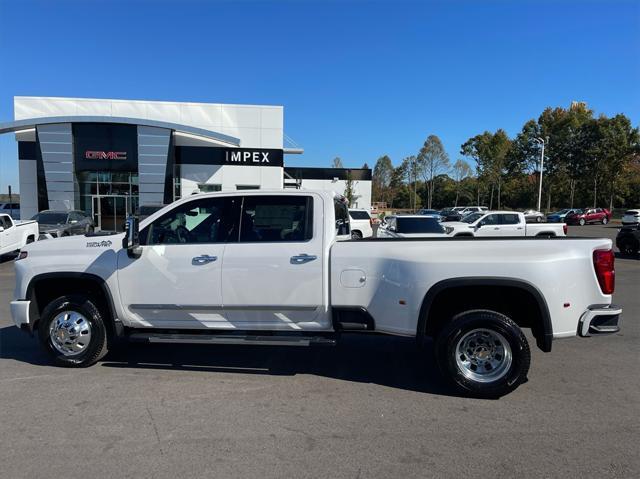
(483, 353)
(73, 332)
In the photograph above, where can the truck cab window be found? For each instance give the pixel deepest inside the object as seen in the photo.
(206, 220)
(276, 218)
(510, 219)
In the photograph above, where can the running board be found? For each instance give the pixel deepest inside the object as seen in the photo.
(254, 340)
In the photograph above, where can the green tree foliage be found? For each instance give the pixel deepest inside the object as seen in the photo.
(350, 189)
(461, 171)
(381, 180)
(431, 161)
(588, 161)
(491, 152)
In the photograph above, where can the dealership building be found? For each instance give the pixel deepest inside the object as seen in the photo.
(110, 157)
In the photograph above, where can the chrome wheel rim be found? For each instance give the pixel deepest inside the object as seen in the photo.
(70, 333)
(483, 355)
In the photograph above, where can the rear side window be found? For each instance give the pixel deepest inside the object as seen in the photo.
(276, 219)
(360, 215)
(5, 222)
(510, 219)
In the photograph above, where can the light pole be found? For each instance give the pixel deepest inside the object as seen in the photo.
(540, 142)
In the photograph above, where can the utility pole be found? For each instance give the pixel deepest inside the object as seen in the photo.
(540, 142)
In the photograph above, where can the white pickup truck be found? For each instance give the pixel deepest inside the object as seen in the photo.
(16, 234)
(279, 267)
(502, 223)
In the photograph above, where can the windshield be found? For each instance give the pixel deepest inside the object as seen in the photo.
(561, 212)
(418, 225)
(471, 218)
(51, 218)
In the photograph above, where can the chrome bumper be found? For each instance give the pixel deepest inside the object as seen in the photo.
(20, 314)
(600, 319)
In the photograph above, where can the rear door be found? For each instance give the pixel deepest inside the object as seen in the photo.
(273, 277)
(510, 225)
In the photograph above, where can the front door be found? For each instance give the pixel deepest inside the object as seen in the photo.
(273, 276)
(490, 226)
(176, 282)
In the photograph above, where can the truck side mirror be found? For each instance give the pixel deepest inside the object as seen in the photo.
(131, 240)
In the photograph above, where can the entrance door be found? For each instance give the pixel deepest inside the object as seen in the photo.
(110, 212)
(273, 276)
(176, 282)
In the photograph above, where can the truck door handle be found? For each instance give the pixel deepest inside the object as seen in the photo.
(204, 259)
(302, 258)
(496, 228)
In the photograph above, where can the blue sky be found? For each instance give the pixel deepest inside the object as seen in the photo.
(357, 79)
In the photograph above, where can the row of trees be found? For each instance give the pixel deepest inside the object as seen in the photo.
(588, 161)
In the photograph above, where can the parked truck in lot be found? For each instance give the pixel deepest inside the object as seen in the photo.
(260, 267)
(502, 223)
(14, 235)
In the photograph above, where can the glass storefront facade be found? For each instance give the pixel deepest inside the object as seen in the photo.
(108, 196)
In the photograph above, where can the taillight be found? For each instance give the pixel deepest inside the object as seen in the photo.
(605, 272)
(565, 228)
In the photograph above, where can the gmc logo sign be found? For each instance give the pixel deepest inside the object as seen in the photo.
(105, 155)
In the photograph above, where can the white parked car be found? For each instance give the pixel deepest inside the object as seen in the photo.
(412, 226)
(16, 234)
(631, 217)
(11, 209)
(278, 267)
(502, 223)
(360, 224)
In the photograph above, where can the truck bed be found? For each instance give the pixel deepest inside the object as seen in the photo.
(390, 278)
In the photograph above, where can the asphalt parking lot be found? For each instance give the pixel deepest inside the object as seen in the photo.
(371, 407)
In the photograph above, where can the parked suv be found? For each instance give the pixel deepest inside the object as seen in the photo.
(361, 223)
(588, 215)
(628, 240)
(631, 217)
(63, 223)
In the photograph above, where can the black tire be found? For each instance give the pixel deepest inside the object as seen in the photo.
(538, 219)
(97, 347)
(582, 222)
(605, 220)
(463, 325)
(356, 235)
